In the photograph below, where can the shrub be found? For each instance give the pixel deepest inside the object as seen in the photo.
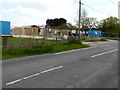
(74, 41)
(103, 39)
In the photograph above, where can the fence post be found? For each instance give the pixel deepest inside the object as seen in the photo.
(4, 41)
(20, 37)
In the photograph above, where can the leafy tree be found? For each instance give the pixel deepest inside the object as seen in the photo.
(68, 26)
(109, 24)
(55, 22)
(89, 23)
(74, 27)
(117, 29)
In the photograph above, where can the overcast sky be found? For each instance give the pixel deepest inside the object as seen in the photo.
(36, 12)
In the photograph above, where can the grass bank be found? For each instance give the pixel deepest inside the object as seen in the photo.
(17, 40)
(52, 47)
(93, 39)
(38, 50)
(113, 38)
(96, 40)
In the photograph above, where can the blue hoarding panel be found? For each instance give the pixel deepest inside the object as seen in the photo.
(4, 27)
(0, 29)
(96, 33)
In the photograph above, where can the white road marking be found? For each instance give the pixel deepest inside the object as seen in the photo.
(74, 50)
(51, 69)
(104, 53)
(14, 82)
(18, 80)
(32, 76)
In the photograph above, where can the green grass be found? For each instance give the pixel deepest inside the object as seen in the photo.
(37, 50)
(92, 39)
(16, 52)
(12, 42)
(27, 40)
(84, 38)
(113, 38)
(67, 47)
(96, 40)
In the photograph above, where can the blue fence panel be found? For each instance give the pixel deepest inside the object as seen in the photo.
(4, 28)
(96, 33)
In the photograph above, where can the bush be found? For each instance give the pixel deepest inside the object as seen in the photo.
(103, 39)
(74, 41)
(114, 38)
(83, 39)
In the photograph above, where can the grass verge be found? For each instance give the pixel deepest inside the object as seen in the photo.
(96, 40)
(37, 50)
(114, 38)
(93, 39)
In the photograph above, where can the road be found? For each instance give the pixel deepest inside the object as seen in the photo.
(93, 67)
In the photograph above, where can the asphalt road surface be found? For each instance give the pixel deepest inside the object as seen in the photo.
(93, 67)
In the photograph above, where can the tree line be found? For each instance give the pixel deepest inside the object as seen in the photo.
(110, 24)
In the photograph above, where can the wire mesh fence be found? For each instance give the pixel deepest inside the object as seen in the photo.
(30, 36)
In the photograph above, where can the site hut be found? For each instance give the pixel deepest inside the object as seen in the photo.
(95, 33)
(16, 31)
(32, 30)
(64, 32)
(59, 33)
(5, 29)
(41, 30)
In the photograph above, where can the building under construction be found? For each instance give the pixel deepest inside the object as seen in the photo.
(27, 30)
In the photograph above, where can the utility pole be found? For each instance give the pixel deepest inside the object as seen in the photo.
(119, 11)
(79, 18)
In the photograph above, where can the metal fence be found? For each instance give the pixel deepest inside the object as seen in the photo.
(30, 36)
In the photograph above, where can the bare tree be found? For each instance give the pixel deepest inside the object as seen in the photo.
(83, 16)
(82, 23)
(91, 22)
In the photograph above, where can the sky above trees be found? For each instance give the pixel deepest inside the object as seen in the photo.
(29, 12)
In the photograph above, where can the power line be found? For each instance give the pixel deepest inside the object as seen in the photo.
(113, 3)
(96, 10)
(74, 3)
(93, 9)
